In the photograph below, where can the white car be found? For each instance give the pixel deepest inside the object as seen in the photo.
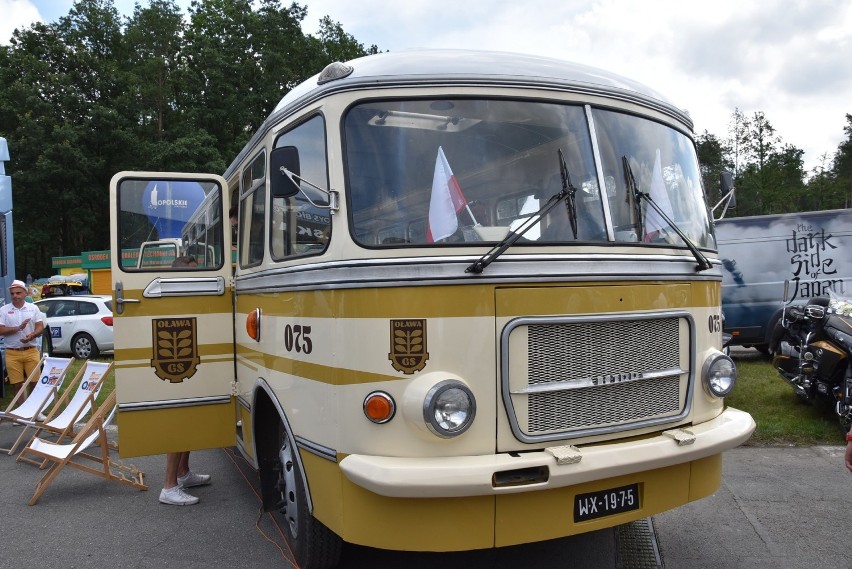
(80, 325)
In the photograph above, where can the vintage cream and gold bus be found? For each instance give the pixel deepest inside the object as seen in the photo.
(476, 303)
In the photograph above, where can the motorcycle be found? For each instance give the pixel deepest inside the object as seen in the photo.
(812, 347)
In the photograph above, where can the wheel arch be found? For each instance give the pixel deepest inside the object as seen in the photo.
(267, 416)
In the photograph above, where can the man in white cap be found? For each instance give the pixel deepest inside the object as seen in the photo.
(21, 323)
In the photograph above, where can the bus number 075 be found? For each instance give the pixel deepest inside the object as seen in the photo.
(714, 323)
(298, 337)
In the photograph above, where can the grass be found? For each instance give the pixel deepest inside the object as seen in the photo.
(780, 416)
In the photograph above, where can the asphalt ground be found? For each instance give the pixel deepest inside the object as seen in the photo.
(777, 507)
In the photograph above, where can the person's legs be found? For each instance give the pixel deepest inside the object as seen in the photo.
(172, 492)
(30, 361)
(15, 369)
(186, 478)
(172, 462)
(183, 464)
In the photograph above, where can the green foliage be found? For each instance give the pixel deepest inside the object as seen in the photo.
(92, 95)
(714, 158)
(769, 174)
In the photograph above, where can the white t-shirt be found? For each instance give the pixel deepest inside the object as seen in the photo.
(13, 317)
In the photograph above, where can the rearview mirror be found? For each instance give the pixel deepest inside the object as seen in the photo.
(726, 182)
(726, 186)
(283, 166)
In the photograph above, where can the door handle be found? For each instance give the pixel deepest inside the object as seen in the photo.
(120, 301)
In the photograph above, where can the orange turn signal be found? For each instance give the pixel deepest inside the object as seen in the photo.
(379, 407)
(253, 324)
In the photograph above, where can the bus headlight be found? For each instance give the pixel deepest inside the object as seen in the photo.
(449, 408)
(719, 375)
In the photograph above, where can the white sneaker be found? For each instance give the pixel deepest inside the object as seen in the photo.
(191, 479)
(176, 497)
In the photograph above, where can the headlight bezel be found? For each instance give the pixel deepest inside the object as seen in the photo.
(713, 367)
(433, 398)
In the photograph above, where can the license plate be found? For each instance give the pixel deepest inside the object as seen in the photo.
(606, 502)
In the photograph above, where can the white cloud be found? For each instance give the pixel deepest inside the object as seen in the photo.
(16, 14)
(786, 58)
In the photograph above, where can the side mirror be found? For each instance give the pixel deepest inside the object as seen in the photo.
(283, 166)
(726, 185)
(726, 182)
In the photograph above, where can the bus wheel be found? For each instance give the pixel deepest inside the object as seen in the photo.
(314, 545)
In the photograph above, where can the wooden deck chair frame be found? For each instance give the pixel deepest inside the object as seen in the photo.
(70, 416)
(74, 454)
(12, 412)
(6, 415)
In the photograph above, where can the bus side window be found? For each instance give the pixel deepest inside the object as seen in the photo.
(253, 211)
(297, 227)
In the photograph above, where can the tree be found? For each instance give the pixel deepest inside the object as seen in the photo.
(90, 95)
(841, 169)
(769, 174)
(713, 158)
(737, 133)
(66, 131)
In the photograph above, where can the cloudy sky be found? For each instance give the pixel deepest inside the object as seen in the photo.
(790, 59)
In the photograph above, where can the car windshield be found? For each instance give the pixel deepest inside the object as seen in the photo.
(443, 172)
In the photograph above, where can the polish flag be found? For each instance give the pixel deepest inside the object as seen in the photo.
(447, 201)
(654, 222)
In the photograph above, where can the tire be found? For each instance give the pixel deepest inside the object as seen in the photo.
(763, 349)
(84, 347)
(314, 545)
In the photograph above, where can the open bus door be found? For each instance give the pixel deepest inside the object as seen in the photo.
(173, 318)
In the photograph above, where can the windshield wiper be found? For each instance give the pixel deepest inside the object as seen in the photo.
(567, 186)
(567, 193)
(633, 188)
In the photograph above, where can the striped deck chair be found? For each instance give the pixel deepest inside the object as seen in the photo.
(46, 381)
(74, 454)
(86, 386)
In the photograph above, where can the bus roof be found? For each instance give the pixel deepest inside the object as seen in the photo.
(445, 67)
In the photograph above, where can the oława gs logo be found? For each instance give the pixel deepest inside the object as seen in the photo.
(408, 345)
(175, 348)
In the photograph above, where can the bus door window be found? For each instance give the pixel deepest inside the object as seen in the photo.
(163, 219)
(299, 227)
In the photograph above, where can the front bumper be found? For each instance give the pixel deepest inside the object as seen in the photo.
(446, 477)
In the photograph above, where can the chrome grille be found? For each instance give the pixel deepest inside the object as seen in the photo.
(613, 405)
(559, 352)
(552, 396)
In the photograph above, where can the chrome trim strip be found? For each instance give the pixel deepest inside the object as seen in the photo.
(244, 402)
(596, 381)
(175, 404)
(596, 154)
(428, 271)
(317, 449)
(524, 321)
(185, 286)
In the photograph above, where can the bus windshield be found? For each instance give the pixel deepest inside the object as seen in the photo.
(443, 172)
